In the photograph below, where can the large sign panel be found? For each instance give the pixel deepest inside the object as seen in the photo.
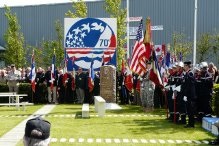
(90, 39)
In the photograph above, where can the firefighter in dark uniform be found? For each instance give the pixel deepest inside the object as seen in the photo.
(189, 95)
(204, 92)
(180, 103)
(120, 88)
(170, 84)
(61, 87)
(40, 89)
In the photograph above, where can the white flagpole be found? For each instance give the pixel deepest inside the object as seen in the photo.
(195, 31)
(127, 7)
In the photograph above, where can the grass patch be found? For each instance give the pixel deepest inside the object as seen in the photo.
(132, 127)
(7, 123)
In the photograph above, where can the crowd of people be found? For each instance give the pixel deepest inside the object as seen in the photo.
(60, 87)
(184, 88)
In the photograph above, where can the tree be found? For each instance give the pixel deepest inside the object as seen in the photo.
(204, 46)
(14, 39)
(113, 7)
(180, 45)
(79, 8)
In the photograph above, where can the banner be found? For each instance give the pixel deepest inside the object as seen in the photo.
(90, 38)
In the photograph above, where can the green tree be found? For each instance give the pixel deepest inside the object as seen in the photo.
(79, 10)
(204, 45)
(113, 7)
(14, 39)
(180, 45)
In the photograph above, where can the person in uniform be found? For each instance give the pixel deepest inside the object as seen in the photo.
(204, 92)
(80, 85)
(189, 93)
(169, 91)
(136, 88)
(13, 79)
(180, 103)
(120, 88)
(40, 87)
(51, 85)
(147, 90)
(61, 87)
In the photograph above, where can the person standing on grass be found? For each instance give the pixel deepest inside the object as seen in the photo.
(13, 79)
(147, 90)
(37, 132)
(80, 85)
(189, 94)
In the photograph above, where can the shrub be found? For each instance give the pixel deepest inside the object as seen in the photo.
(215, 100)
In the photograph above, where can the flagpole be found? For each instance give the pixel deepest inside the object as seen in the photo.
(127, 7)
(195, 31)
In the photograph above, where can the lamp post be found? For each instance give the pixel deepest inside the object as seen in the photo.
(195, 31)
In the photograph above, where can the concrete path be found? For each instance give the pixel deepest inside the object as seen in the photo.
(12, 137)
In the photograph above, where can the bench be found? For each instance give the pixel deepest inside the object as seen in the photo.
(85, 111)
(99, 103)
(14, 100)
(23, 104)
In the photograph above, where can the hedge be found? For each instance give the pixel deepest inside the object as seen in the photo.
(215, 100)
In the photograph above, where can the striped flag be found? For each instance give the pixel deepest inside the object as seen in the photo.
(155, 75)
(33, 73)
(91, 77)
(138, 61)
(53, 72)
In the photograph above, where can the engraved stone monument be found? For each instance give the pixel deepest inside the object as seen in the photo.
(108, 83)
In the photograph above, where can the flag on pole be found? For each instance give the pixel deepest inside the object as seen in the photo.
(91, 77)
(33, 73)
(148, 39)
(138, 61)
(180, 56)
(53, 73)
(155, 75)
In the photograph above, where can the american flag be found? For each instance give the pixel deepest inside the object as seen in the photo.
(138, 62)
(33, 73)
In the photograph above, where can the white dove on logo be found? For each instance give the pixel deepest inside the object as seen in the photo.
(86, 27)
(77, 30)
(97, 27)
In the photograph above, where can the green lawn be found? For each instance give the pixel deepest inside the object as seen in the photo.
(126, 127)
(14, 116)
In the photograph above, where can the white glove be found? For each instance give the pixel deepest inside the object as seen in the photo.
(173, 97)
(185, 98)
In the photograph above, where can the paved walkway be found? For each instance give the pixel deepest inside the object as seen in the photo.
(12, 137)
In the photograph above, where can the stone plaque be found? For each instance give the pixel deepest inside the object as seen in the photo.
(108, 83)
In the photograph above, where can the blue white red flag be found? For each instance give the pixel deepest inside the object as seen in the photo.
(91, 77)
(33, 73)
(53, 73)
(155, 75)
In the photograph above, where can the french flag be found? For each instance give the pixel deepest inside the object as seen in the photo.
(91, 77)
(53, 71)
(33, 73)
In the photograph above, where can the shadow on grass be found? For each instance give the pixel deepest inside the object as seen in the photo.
(162, 126)
(78, 115)
(131, 109)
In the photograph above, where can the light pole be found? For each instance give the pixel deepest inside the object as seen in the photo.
(195, 31)
(127, 26)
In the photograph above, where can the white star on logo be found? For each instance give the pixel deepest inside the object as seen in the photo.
(83, 35)
(70, 36)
